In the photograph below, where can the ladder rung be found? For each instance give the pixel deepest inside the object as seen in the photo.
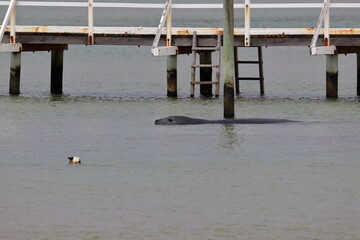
(205, 49)
(249, 78)
(249, 62)
(205, 65)
(204, 82)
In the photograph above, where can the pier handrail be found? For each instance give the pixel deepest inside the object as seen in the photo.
(9, 12)
(326, 6)
(324, 18)
(161, 24)
(168, 50)
(320, 21)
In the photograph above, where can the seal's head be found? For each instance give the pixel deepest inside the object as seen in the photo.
(172, 120)
(74, 160)
(178, 120)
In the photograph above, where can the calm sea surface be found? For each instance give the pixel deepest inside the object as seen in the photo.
(141, 181)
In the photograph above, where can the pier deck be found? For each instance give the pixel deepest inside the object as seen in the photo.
(181, 37)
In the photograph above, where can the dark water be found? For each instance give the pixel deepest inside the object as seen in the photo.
(141, 181)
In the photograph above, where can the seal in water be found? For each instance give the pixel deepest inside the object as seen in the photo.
(74, 160)
(182, 120)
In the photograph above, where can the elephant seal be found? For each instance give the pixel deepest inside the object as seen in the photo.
(182, 120)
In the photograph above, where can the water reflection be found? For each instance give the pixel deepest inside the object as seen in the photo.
(228, 137)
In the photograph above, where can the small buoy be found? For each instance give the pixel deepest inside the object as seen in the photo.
(74, 160)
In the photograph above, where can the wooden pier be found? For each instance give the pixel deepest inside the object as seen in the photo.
(170, 41)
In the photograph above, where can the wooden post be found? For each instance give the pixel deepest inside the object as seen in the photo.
(236, 65)
(57, 62)
(14, 85)
(261, 71)
(332, 76)
(228, 44)
(205, 74)
(90, 22)
(172, 76)
(13, 26)
(358, 73)
(171, 60)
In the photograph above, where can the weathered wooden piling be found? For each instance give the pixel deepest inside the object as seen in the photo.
(57, 62)
(236, 66)
(229, 69)
(172, 76)
(205, 74)
(171, 60)
(358, 73)
(261, 71)
(14, 84)
(332, 76)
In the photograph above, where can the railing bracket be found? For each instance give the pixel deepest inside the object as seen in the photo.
(10, 47)
(326, 50)
(164, 51)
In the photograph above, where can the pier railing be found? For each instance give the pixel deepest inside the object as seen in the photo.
(165, 27)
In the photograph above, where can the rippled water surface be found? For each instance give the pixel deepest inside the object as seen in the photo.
(141, 181)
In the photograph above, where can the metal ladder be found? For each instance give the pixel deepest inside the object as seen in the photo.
(194, 65)
(261, 70)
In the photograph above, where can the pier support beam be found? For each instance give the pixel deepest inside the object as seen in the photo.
(57, 63)
(14, 84)
(205, 74)
(172, 76)
(332, 76)
(229, 68)
(358, 73)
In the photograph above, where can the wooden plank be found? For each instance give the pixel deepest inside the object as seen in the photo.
(347, 50)
(270, 37)
(179, 6)
(44, 47)
(181, 31)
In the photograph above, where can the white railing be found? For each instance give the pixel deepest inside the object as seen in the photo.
(166, 16)
(324, 18)
(9, 12)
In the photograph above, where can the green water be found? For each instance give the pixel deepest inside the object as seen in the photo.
(141, 181)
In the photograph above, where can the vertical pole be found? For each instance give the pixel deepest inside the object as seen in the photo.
(261, 71)
(205, 74)
(236, 65)
(247, 23)
(218, 62)
(193, 69)
(171, 60)
(228, 43)
(14, 85)
(57, 62)
(327, 27)
(90, 22)
(168, 25)
(172, 76)
(358, 73)
(12, 25)
(332, 76)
